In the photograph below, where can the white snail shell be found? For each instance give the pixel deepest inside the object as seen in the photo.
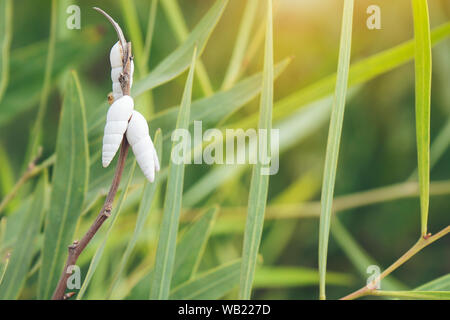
(116, 59)
(116, 124)
(142, 145)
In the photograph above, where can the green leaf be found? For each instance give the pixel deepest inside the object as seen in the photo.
(213, 109)
(6, 9)
(22, 253)
(68, 53)
(285, 277)
(99, 252)
(143, 212)
(180, 59)
(259, 184)
(213, 284)
(13, 223)
(69, 186)
(191, 246)
(360, 72)
(36, 131)
(177, 23)
(240, 47)
(358, 257)
(165, 254)
(422, 42)
(7, 180)
(439, 284)
(334, 139)
(414, 295)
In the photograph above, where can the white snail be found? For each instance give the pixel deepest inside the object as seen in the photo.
(116, 59)
(116, 124)
(121, 118)
(142, 145)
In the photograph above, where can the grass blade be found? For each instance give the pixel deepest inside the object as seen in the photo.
(189, 252)
(439, 284)
(211, 285)
(334, 139)
(6, 12)
(69, 186)
(165, 254)
(285, 277)
(176, 21)
(191, 246)
(144, 210)
(150, 31)
(359, 258)
(73, 51)
(240, 47)
(259, 183)
(99, 253)
(35, 134)
(22, 253)
(360, 72)
(145, 101)
(7, 181)
(179, 60)
(414, 295)
(422, 42)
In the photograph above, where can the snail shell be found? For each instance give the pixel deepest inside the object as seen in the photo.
(142, 145)
(116, 124)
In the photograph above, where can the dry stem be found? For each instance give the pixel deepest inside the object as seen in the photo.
(420, 244)
(77, 247)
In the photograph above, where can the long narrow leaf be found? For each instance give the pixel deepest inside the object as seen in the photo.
(360, 72)
(22, 253)
(5, 43)
(35, 134)
(423, 96)
(213, 284)
(180, 59)
(71, 52)
(439, 284)
(69, 186)
(191, 247)
(241, 44)
(359, 258)
(176, 21)
(259, 184)
(165, 254)
(414, 295)
(334, 139)
(285, 277)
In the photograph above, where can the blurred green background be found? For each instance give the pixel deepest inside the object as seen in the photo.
(378, 143)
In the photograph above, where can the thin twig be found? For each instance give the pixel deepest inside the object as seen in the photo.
(31, 171)
(420, 244)
(77, 247)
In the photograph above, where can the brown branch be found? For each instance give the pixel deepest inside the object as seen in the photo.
(29, 173)
(77, 247)
(420, 244)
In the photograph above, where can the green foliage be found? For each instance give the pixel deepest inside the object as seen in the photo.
(212, 232)
(23, 250)
(334, 140)
(165, 254)
(69, 186)
(259, 184)
(423, 97)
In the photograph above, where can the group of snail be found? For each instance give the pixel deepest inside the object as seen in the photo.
(122, 119)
